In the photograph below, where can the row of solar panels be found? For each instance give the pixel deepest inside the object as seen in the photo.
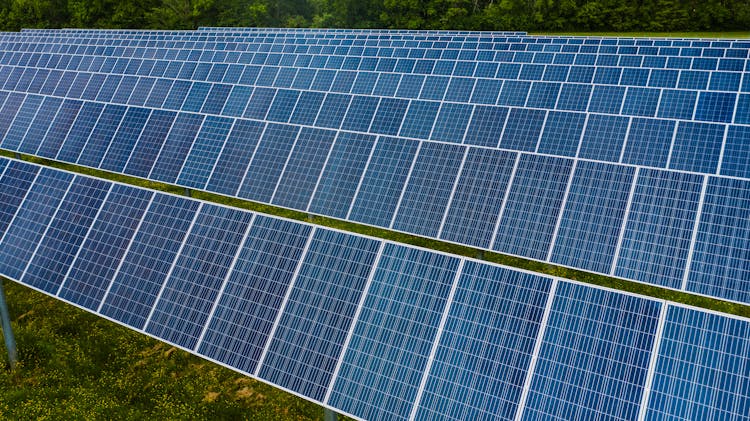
(665, 142)
(370, 328)
(344, 35)
(679, 57)
(676, 229)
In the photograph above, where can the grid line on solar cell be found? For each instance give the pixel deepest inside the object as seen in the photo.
(655, 352)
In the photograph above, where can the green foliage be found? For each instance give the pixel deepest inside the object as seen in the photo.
(525, 15)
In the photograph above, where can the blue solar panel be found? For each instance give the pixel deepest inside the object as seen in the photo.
(31, 220)
(451, 122)
(391, 342)
(303, 168)
(429, 188)
(40, 125)
(562, 133)
(486, 126)
(197, 275)
(720, 261)
(342, 174)
(10, 108)
(384, 180)
(475, 206)
(594, 356)
(176, 147)
(123, 142)
(150, 143)
(268, 162)
(101, 135)
(591, 221)
(16, 182)
(23, 118)
(134, 288)
(235, 157)
(697, 147)
(59, 129)
(486, 346)
(703, 368)
(533, 205)
(604, 137)
(244, 315)
(65, 234)
(206, 148)
(106, 242)
(79, 133)
(648, 142)
(522, 129)
(317, 314)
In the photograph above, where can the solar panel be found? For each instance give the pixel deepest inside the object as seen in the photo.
(364, 326)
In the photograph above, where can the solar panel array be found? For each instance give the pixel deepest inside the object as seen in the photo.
(626, 157)
(368, 327)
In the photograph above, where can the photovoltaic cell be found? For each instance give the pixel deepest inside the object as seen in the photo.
(106, 243)
(604, 137)
(235, 157)
(703, 368)
(58, 131)
(486, 126)
(176, 147)
(123, 142)
(183, 306)
(476, 202)
(428, 191)
(101, 136)
(562, 133)
(591, 221)
(244, 316)
(40, 125)
(310, 335)
(150, 143)
(721, 263)
(697, 147)
(391, 342)
(594, 356)
(486, 346)
(30, 222)
(205, 150)
(383, 181)
(23, 118)
(16, 182)
(533, 206)
(659, 228)
(65, 234)
(268, 162)
(342, 174)
(648, 142)
(302, 170)
(146, 265)
(79, 133)
(736, 158)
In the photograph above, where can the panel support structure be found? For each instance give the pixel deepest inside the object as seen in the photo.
(10, 341)
(330, 415)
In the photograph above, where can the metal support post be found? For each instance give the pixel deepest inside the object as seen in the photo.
(10, 342)
(17, 155)
(187, 192)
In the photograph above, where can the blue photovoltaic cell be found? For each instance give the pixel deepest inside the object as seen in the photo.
(562, 133)
(93, 269)
(677, 104)
(176, 147)
(522, 129)
(648, 142)
(486, 346)
(39, 126)
(123, 143)
(9, 111)
(736, 158)
(715, 106)
(419, 119)
(244, 316)
(15, 184)
(307, 108)
(360, 114)
(342, 174)
(303, 168)
(268, 162)
(486, 126)
(206, 148)
(147, 263)
(428, 191)
(721, 258)
(451, 122)
(594, 356)
(101, 136)
(235, 157)
(392, 339)
(312, 329)
(697, 147)
(591, 221)
(388, 118)
(332, 111)
(283, 105)
(659, 228)
(383, 181)
(188, 294)
(703, 368)
(80, 131)
(533, 206)
(34, 214)
(65, 234)
(478, 197)
(13, 138)
(58, 131)
(604, 137)
(150, 143)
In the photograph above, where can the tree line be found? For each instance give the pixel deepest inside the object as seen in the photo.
(526, 15)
